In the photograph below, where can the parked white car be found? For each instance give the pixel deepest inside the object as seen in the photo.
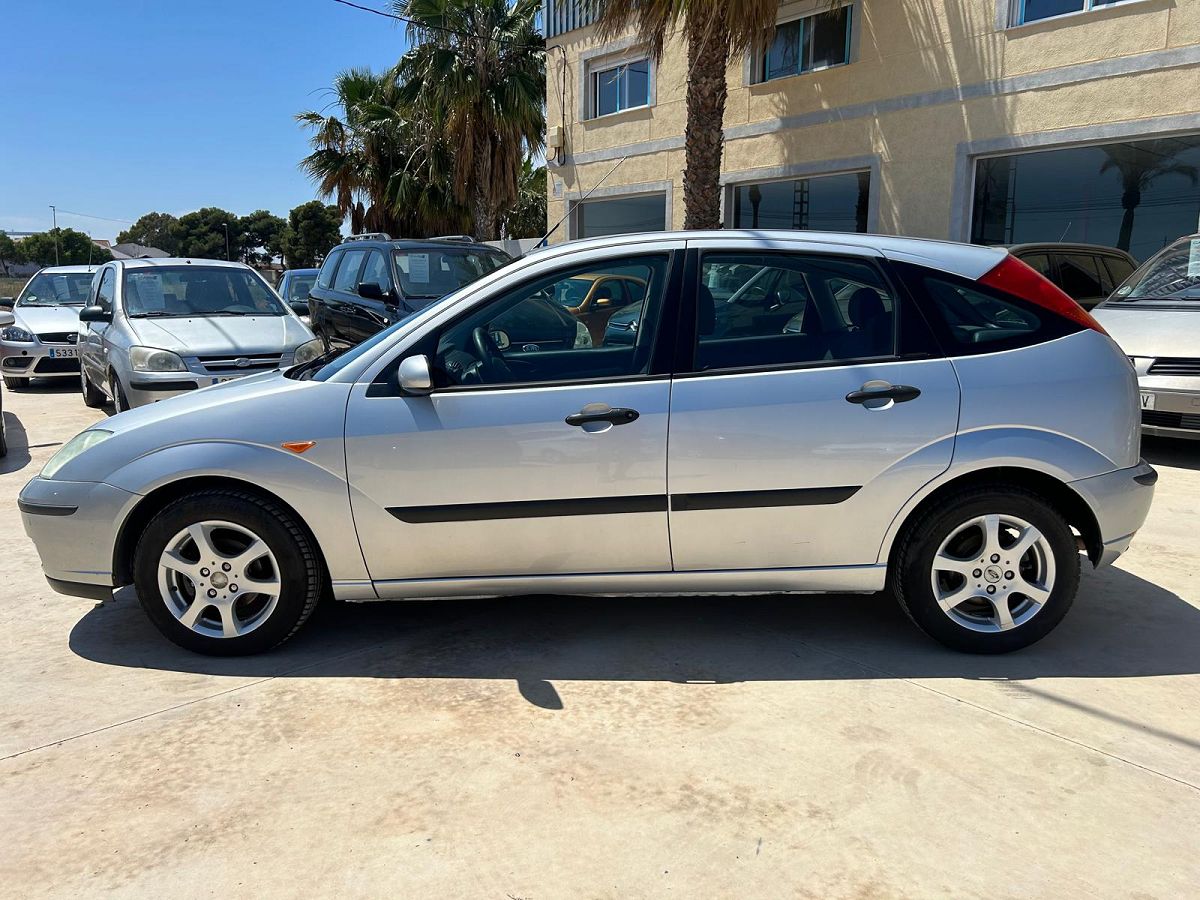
(41, 343)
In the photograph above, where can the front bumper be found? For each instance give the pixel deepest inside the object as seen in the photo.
(1120, 501)
(144, 388)
(1172, 411)
(38, 360)
(72, 524)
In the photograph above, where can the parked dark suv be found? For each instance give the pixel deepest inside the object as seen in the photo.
(371, 281)
(1087, 273)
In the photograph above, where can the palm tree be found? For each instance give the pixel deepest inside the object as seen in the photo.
(477, 73)
(716, 31)
(1139, 167)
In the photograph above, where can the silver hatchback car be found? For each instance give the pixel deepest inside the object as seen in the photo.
(155, 328)
(877, 414)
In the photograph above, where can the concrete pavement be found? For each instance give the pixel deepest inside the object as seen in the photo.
(536, 748)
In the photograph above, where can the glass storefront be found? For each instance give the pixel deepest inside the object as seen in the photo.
(823, 203)
(1135, 195)
(622, 215)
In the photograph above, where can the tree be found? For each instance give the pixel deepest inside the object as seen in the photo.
(10, 253)
(313, 229)
(379, 163)
(527, 217)
(154, 229)
(1139, 167)
(715, 31)
(74, 248)
(261, 232)
(202, 234)
(477, 71)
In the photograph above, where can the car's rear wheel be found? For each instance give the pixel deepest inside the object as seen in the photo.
(14, 383)
(227, 573)
(92, 395)
(987, 570)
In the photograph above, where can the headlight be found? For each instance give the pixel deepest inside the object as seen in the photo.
(148, 359)
(73, 448)
(13, 333)
(583, 337)
(308, 351)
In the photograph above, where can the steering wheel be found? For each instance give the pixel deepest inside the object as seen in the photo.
(492, 366)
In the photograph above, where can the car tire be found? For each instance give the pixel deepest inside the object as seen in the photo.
(240, 620)
(119, 399)
(3, 439)
(92, 396)
(963, 573)
(14, 383)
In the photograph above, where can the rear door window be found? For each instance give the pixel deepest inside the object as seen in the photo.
(325, 277)
(1040, 262)
(1079, 276)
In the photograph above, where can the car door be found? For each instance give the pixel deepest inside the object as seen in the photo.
(525, 460)
(367, 315)
(344, 300)
(92, 350)
(794, 446)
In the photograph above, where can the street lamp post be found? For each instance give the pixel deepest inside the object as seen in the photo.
(225, 225)
(54, 231)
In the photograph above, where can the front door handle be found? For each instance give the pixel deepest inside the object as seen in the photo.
(618, 416)
(900, 393)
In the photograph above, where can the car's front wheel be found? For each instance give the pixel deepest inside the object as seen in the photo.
(120, 401)
(987, 570)
(226, 573)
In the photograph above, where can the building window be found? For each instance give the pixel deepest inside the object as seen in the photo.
(823, 203)
(1036, 10)
(621, 87)
(805, 45)
(621, 215)
(1136, 195)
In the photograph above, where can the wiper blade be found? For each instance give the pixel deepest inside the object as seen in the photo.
(156, 314)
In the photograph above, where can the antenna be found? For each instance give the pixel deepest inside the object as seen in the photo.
(546, 236)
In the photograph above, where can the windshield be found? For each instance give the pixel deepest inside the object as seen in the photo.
(433, 272)
(174, 291)
(298, 286)
(1173, 276)
(56, 289)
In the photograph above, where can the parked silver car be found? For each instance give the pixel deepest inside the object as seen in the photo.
(41, 342)
(1155, 317)
(156, 328)
(913, 425)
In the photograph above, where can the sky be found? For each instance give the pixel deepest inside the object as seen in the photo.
(118, 109)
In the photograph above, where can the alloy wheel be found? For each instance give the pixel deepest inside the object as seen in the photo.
(219, 579)
(993, 573)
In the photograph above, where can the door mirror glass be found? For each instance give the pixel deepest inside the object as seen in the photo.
(415, 375)
(7, 302)
(94, 314)
(371, 290)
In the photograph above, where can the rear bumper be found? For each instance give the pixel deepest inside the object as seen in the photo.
(1120, 501)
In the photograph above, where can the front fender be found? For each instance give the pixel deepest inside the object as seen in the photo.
(315, 490)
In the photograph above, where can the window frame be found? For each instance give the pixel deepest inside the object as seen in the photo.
(904, 338)
(604, 65)
(1018, 18)
(759, 57)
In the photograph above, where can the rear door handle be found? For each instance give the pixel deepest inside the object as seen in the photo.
(900, 393)
(618, 416)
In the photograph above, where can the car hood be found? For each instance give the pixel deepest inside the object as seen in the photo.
(1152, 332)
(203, 335)
(47, 319)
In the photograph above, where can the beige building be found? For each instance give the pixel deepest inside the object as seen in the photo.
(996, 121)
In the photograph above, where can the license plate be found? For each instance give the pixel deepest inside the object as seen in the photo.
(1147, 400)
(64, 353)
(225, 378)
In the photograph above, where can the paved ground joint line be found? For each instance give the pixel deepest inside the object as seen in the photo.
(1005, 716)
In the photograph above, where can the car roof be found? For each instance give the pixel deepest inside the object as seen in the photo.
(967, 260)
(1061, 246)
(63, 270)
(181, 261)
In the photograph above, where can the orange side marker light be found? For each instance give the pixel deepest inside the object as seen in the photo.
(298, 446)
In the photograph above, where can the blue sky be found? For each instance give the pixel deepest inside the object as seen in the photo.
(117, 109)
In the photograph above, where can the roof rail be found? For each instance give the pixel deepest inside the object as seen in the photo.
(459, 238)
(370, 236)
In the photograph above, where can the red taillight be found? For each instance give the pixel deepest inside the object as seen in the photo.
(1014, 277)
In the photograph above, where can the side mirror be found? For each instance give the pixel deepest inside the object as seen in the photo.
(7, 302)
(299, 307)
(371, 290)
(6, 319)
(94, 314)
(415, 376)
(601, 302)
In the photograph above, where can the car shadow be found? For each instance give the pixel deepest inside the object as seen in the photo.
(1121, 626)
(18, 445)
(1176, 452)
